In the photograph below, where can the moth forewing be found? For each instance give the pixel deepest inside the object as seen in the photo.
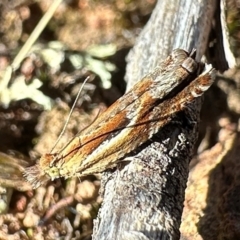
(133, 119)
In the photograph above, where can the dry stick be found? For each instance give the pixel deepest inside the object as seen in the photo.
(144, 199)
(64, 202)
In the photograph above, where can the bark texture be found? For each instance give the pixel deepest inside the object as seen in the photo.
(143, 198)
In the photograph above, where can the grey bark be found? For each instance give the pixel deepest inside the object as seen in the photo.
(143, 198)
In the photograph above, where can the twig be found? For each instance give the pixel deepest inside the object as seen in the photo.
(28, 44)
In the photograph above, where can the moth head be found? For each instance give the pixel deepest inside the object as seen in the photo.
(42, 171)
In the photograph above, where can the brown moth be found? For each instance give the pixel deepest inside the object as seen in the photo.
(130, 121)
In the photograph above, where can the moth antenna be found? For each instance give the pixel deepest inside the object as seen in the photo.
(89, 124)
(69, 115)
(80, 132)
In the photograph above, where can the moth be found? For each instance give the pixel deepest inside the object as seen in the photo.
(133, 119)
